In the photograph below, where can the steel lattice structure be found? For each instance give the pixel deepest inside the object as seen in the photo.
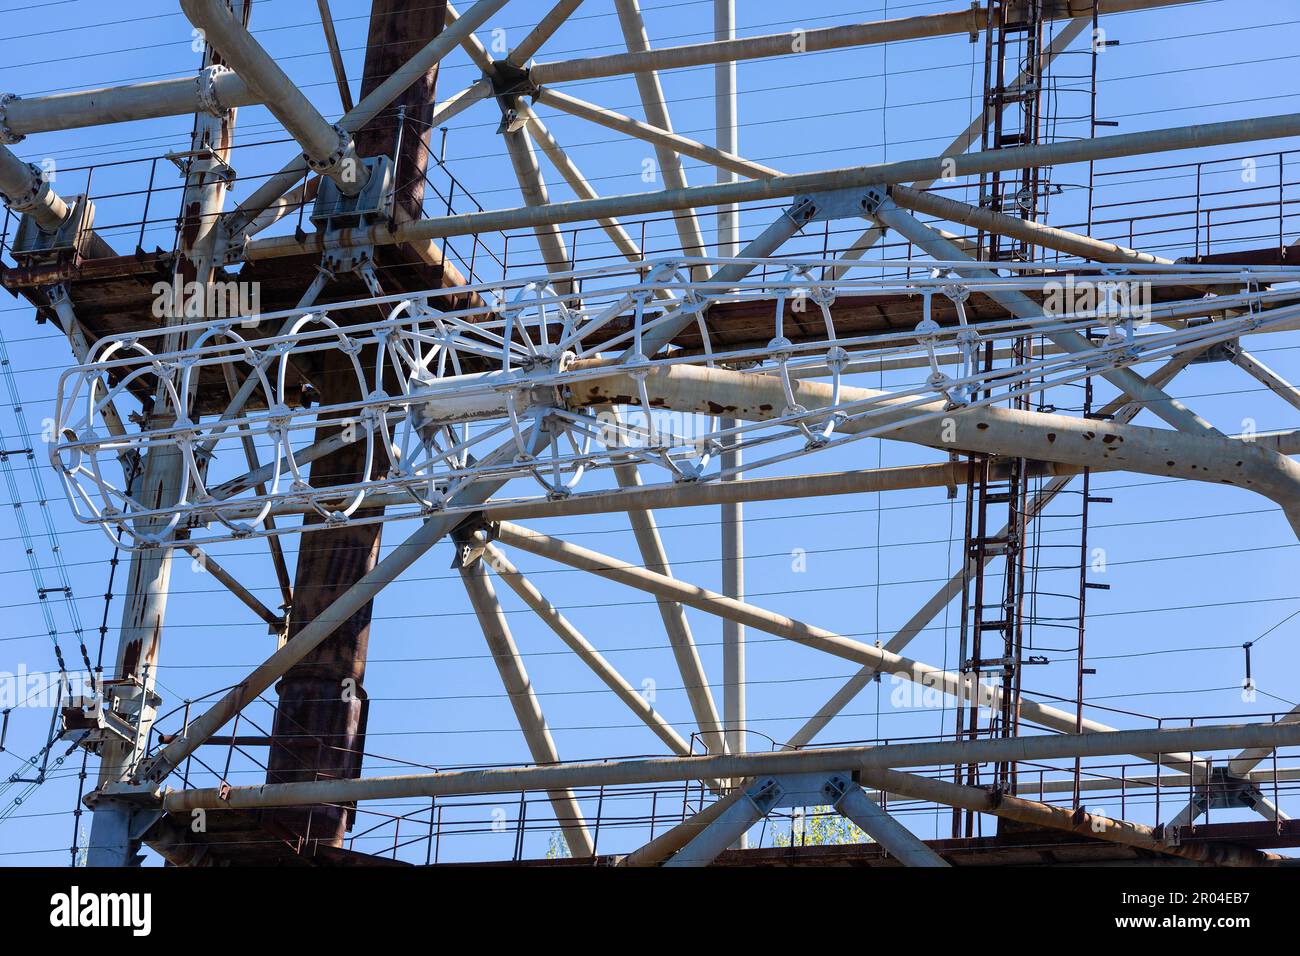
(457, 407)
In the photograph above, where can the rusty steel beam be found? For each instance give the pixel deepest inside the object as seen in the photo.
(990, 430)
(320, 718)
(1077, 821)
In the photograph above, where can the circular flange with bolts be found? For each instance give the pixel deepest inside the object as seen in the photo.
(331, 162)
(32, 199)
(7, 136)
(206, 81)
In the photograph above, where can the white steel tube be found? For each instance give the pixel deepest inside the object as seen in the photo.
(327, 148)
(523, 700)
(777, 187)
(798, 42)
(586, 653)
(993, 430)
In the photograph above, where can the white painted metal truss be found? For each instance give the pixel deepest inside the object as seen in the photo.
(441, 389)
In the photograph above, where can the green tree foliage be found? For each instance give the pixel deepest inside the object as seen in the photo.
(557, 849)
(820, 826)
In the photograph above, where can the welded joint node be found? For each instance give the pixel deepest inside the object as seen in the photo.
(765, 794)
(852, 203)
(836, 787)
(58, 295)
(873, 198)
(509, 80)
(802, 211)
(1224, 790)
(7, 136)
(510, 83)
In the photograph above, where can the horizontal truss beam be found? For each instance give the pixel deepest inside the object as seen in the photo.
(970, 21)
(778, 187)
(735, 766)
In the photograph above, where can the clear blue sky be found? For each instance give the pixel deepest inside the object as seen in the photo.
(1194, 570)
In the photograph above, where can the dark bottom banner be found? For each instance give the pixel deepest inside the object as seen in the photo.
(328, 905)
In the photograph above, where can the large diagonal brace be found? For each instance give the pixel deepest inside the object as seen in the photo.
(586, 653)
(851, 800)
(651, 548)
(316, 631)
(528, 710)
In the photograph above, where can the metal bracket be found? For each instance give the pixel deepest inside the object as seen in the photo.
(510, 81)
(214, 164)
(874, 198)
(765, 794)
(33, 245)
(836, 786)
(92, 724)
(336, 214)
(1224, 791)
(508, 94)
(132, 794)
(110, 715)
(1218, 352)
(837, 204)
(471, 538)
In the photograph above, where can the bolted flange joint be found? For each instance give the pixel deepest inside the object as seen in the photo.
(7, 136)
(38, 188)
(207, 98)
(329, 164)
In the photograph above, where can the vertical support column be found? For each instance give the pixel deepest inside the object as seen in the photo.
(733, 515)
(725, 124)
(320, 723)
(397, 32)
(145, 604)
